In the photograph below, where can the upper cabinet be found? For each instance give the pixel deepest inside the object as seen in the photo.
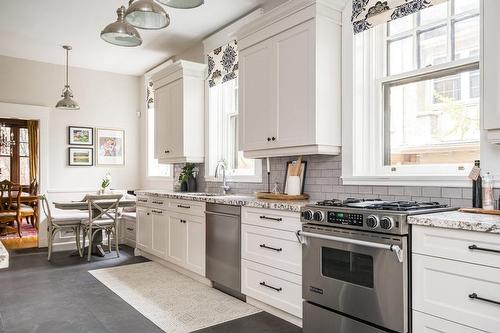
(289, 81)
(490, 72)
(179, 113)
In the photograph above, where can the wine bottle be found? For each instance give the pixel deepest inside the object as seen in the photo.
(477, 189)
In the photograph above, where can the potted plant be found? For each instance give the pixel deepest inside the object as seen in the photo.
(105, 182)
(187, 177)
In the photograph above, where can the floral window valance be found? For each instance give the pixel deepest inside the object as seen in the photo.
(223, 64)
(150, 95)
(368, 13)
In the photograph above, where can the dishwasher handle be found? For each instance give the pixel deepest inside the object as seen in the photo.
(221, 214)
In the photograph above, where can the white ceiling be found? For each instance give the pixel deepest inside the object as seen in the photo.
(36, 29)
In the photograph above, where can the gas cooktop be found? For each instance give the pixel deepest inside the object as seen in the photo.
(400, 206)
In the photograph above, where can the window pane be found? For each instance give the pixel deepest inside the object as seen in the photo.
(421, 131)
(155, 169)
(5, 133)
(434, 13)
(401, 55)
(400, 25)
(467, 38)
(24, 149)
(466, 5)
(24, 171)
(433, 47)
(4, 168)
(352, 267)
(474, 85)
(23, 135)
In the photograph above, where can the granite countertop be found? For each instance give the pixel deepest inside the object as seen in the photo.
(459, 220)
(235, 200)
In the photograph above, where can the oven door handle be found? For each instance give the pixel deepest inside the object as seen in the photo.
(391, 247)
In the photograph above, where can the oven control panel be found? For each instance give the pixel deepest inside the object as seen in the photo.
(345, 218)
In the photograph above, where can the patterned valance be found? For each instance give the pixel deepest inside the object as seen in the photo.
(368, 13)
(223, 64)
(150, 95)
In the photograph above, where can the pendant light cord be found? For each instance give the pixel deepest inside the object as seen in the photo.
(67, 64)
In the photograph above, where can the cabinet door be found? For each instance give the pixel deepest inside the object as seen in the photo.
(144, 229)
(160, 232)
(195, 258)
(177, 238)
(490, 72)
(257, 96)
(168, 120)
(294, 51)
(424, 323)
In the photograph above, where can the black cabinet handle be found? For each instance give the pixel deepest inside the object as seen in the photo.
(167, 151)
(264, 217)
(273, 138)
(130, 229)
(183, 221)
(157, 211)
(142, 200)
(270, 287)
(475, 296)
(264, 246)
(475, 247)
(147, 214)
(268, 139)
(183, 206)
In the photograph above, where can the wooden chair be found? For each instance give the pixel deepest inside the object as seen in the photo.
(59, 223)
(10, 204)
(33, 191)
(103, 216)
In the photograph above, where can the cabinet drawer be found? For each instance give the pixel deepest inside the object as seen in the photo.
(277, 288)
(275, 248)
(271, 218)
(142, 200)
(454, 244)
(424, 323)
(443, 288)
(194, 208)
(129, 230)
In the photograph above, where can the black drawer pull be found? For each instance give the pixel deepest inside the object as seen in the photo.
(157, 202)
(183, 206)
(130, 229)
(270, 287)
(157, 211)
(268, 139)
(167, 151)
(183, 221)
(475, 247)
(142, 200)
(474, 296)
(264, 246)
(278, 219)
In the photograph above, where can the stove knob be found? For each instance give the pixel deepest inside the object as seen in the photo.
(307, 215)
(372, 221)
(318, 216)
(386, 223)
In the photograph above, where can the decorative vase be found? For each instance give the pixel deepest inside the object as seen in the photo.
(191, 184)
(184, 187)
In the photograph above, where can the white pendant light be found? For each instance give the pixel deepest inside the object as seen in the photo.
(67, 103)
(182, 4)
(121, 33)
(147, 14)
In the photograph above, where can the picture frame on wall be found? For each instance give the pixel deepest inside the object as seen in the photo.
(80, 156)
(303, 170)
(80, 136)
(110, 146)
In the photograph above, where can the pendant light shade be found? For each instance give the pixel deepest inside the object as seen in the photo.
(67, 103)
(182, 4)
(121, 33)
(147, 14)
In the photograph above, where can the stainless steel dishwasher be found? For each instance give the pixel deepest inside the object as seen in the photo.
(223, 252)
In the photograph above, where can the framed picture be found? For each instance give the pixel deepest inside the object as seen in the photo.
(302, 176)
(80, 156)
(110, 147)
(81, 136)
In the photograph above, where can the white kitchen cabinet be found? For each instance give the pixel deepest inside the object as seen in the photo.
(289, 81)
(179, 113)
(424, 323)
(490, 74)
(177, 239)
(144, 228)
(160, 227)
(195, 244)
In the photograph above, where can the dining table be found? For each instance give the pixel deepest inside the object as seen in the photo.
(82, 205)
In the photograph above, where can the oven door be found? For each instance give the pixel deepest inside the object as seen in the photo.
(358, 274)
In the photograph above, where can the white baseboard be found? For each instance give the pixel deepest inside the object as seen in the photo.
(174, 267)
(275, 311)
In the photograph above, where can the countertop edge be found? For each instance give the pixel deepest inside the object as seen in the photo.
(458, 221)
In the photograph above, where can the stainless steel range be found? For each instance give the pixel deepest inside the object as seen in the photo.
(355, 265)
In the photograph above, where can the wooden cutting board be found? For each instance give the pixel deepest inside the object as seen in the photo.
(480, 211)
(280, 196)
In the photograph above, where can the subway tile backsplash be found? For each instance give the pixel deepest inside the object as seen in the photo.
(323, 182)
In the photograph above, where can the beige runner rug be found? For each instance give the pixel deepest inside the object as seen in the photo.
(174, 302)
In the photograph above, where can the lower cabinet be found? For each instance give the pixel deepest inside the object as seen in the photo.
(424, 323)
(174, 237)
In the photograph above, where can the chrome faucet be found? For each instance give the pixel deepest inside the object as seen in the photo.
(225, 187)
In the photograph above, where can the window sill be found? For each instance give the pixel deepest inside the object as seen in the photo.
(235, 179)
(163, 178)
(435, 181)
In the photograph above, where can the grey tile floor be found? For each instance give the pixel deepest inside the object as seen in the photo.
(61, 296)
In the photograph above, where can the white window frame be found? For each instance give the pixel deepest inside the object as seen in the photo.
(365, 116)
(151, 162)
